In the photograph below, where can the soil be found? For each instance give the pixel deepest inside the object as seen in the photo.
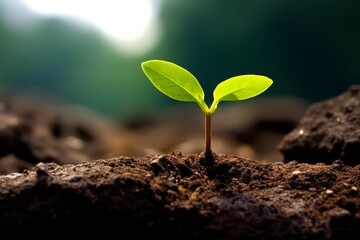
(179, 195)
(329, 130)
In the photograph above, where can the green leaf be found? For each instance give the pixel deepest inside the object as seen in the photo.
(239, 88)
(175, 82)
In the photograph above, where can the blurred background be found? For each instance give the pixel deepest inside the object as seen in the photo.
(86, 55)
(89, 52)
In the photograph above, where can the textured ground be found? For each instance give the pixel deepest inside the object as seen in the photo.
(52, 182)
(329, 130)
(185, 197)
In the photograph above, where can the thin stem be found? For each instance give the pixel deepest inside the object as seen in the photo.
(208, 135)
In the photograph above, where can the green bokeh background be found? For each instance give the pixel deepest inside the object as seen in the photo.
(311, 49)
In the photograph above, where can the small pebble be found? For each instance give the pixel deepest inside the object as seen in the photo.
(328, 191)
(296, 172)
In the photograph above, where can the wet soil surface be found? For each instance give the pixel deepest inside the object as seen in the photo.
(52, 183)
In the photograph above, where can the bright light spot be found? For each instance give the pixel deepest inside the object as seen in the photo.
(126, 21)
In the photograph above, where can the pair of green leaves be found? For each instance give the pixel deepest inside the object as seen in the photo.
(179, 84)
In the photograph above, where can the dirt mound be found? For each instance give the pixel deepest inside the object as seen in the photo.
(329, 131)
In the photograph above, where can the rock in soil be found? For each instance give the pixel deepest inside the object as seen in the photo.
(176, 196)
(329, 131)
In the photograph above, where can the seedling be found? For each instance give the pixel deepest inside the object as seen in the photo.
(179, 84)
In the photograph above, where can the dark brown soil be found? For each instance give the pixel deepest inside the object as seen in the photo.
(54, 185)
(185, 197)
(329, 131)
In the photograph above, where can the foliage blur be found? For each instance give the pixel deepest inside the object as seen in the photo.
(309, 48)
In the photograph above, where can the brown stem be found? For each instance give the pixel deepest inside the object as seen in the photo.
(208, 153)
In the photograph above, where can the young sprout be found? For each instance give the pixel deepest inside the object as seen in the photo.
(179, 84)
